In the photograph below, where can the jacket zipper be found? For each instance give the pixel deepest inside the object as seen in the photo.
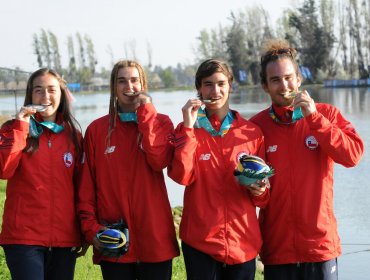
(51, 194)
(226, 213)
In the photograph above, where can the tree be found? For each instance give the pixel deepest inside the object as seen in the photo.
(343, 37)
(258, 30)
(72, 68)
(37, 50)
(236, 47)
(316, 43)
(218, 43)
(327, 13)
(84, 72)
(167, 77)
(365, 10)
(54, 50)
(184, 75)
(212, 44)
(150, 54)
(81, 51)
(90, 54)
(355, 32)
(203, 51)
(45, 48)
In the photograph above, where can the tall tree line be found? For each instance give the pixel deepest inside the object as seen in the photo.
(81, 63)
(332, 37)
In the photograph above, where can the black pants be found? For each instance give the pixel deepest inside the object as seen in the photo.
(133, 271)
(327, 270)
(200, 266)
(27, 262)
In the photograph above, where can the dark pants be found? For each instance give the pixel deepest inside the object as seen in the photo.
(327, 270)
(200, 266)
(27, 262)
(133, 271)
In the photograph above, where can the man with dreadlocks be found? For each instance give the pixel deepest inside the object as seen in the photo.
(122, 181)
(303, 140)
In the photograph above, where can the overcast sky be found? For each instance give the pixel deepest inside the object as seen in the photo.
(170, 27)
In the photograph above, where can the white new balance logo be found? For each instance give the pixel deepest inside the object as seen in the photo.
(110, 149)
(205, 157)
(333, 269)
(271, 149)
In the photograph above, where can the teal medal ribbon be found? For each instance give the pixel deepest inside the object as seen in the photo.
(36, 127)
(128, 117)
(203, 122)
(297, 115)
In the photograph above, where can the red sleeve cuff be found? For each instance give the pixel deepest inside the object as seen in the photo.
(188, 131)
(313, 117)
(145, 111)
(90, 235)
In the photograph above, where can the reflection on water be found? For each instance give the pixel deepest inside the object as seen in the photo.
(352, 202)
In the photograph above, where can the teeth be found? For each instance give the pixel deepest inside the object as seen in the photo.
(131, 93)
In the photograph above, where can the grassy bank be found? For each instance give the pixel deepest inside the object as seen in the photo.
(85, 270)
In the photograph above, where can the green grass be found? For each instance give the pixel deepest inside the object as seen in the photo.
(85, 270)
(4, 272)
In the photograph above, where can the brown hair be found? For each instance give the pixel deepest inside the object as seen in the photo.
(63, 110)
(113, 102)
(276, 49)
(209, 67)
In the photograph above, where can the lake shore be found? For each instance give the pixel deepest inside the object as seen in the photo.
(4, 119)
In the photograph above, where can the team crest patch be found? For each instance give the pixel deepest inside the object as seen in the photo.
(68, 159)
(311, 143)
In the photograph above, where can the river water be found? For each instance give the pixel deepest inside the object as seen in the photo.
(352, 199)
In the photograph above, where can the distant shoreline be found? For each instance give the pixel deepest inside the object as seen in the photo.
(4, 118)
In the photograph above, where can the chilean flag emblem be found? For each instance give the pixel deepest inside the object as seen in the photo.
(311, 143)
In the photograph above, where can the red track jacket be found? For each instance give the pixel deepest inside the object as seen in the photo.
(125, 181)
(40, 194)
(219, 216)
(298, 225)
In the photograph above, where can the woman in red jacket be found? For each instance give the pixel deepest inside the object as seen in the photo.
(123, 182)
(219, 228)
(39, 155)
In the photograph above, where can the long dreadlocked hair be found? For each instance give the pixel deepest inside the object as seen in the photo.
(64, 109)
(113, 102)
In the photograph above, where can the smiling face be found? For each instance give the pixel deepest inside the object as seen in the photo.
(281, 79)
(128, 81)
(46, 91)
(215, 89)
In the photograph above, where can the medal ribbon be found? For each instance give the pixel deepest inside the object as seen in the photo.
(203, 122)
(128, 117)
(36, 127)
(297, 115)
